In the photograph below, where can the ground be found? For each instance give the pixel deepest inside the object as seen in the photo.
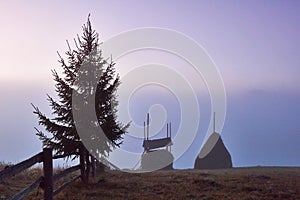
(236, 183)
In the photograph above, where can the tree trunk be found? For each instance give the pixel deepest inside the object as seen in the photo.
(93, 163)
(100, 167)
(88, 166)
(82, 164)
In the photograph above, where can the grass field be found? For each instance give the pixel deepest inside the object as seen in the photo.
(237, 183)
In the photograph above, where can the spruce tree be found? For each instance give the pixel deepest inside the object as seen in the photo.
(62, 135)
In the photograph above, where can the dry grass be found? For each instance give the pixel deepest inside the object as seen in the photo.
(15, 184)
(238, 183)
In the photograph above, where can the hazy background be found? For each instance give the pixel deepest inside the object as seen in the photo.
(256, 46)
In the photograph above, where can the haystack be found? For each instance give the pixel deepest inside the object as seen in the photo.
(213, 154)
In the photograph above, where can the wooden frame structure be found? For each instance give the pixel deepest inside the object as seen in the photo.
(150, 145)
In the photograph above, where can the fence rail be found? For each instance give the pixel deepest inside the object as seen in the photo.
(58, 176)
(27, 190)
(15, 169)
(58, 190)
(46, 182)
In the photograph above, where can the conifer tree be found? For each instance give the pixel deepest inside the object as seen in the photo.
(62, 135)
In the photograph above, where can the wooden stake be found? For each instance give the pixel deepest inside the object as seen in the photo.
(144, 130)
(170, 131)
(148, 123)
(167, 130)
(214, 122)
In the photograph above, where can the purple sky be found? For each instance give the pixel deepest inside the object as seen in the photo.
(255, 45)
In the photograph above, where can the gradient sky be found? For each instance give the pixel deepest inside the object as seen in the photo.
(256, 46)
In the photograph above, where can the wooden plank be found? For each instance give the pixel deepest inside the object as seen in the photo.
(67, 171)
(157, 143)
(58, 190)
(15, 169)
(26, 191)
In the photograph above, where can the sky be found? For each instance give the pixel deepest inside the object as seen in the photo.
(255, 46)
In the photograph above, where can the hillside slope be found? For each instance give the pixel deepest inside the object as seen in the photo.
(239, 183)
(236, 183)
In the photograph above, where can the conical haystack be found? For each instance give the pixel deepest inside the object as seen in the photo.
(213, 154)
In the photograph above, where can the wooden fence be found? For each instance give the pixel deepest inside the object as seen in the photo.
(46, 182)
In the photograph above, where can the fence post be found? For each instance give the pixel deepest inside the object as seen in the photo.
(48, 173)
